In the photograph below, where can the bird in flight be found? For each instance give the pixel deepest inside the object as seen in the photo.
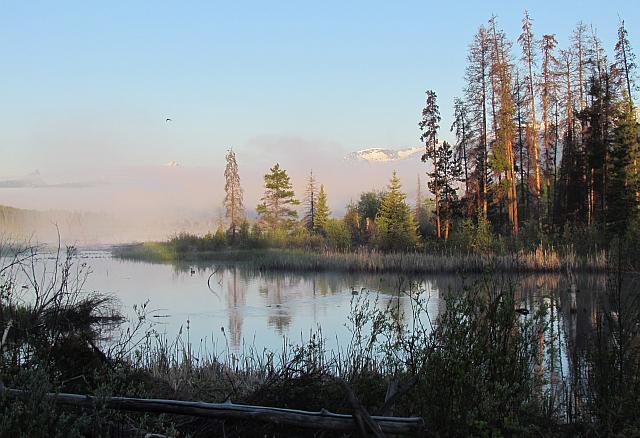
(168, 120)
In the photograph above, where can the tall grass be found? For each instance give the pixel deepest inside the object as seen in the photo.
(542, 259)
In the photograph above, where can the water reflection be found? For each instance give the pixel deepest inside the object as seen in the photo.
(259, 308)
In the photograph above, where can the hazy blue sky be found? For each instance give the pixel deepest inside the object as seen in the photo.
(86, 86)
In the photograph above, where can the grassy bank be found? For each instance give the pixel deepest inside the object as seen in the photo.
(542, 259)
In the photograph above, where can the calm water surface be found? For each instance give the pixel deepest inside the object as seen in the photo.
(260, 309)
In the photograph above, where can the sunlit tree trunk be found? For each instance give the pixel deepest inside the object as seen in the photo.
(527, 44)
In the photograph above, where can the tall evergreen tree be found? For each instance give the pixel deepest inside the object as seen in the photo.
(429, 125)
(476, 91)
(521, 138)
(275, 209)
(579, 48)
(502, 156)
(446, 175)
(461, 125)
(395, 229)
(323, 213)
(527, 43)
(233, 194)
(622, 202)
(625, 62)
(596, 140)
(548, 86)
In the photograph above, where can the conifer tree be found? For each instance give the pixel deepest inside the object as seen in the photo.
(429, 126)
(502, 156)
(311, 199)
(275, 209)
(625, 61)
(463, 133)
(622, 203)
(395, 228)
(476, 91)
(233, 194)
(547, 96)
(323, 213)
(447, 173)
(520, 110)
(579, 50)
(596, 143)
(527, 43)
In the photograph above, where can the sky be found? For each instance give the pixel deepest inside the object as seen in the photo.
(85, 88)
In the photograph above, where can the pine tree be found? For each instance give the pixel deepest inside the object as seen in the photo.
(520, 110)
(429, 126)
(275, 210)
(527, 43)
(461, 125)
(446, 175)
(311, 199)
(395, 229)
(622, 203)
(233, 194)
(476, 91)
(579, 50)
(571, 186)
(323, 213)
(548, 87)
(625, 61)
(597, 136)
(502, 156)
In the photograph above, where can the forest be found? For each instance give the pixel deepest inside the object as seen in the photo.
(545, 160)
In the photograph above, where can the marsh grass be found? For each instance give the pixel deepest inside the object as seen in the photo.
(542, 259)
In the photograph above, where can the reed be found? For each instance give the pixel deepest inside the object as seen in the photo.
(542, 259)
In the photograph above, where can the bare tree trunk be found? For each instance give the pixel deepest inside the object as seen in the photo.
(521, 146)
(485, 169)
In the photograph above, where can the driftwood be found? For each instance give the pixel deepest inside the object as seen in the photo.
(360, 414)
(394, 392)
(291, 417)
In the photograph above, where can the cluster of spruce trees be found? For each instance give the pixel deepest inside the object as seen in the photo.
(546, 137)
(381, 219)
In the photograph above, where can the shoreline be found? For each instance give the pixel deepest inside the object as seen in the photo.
(373, 261)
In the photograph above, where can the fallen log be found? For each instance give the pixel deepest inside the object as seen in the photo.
(291, 417)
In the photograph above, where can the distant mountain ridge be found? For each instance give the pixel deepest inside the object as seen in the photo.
(382, 155)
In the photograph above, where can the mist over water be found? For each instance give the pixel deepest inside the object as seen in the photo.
(114, 204)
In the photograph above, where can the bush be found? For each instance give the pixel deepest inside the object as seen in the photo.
(337, 234)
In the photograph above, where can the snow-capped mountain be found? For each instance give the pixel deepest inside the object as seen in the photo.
(381, 155)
